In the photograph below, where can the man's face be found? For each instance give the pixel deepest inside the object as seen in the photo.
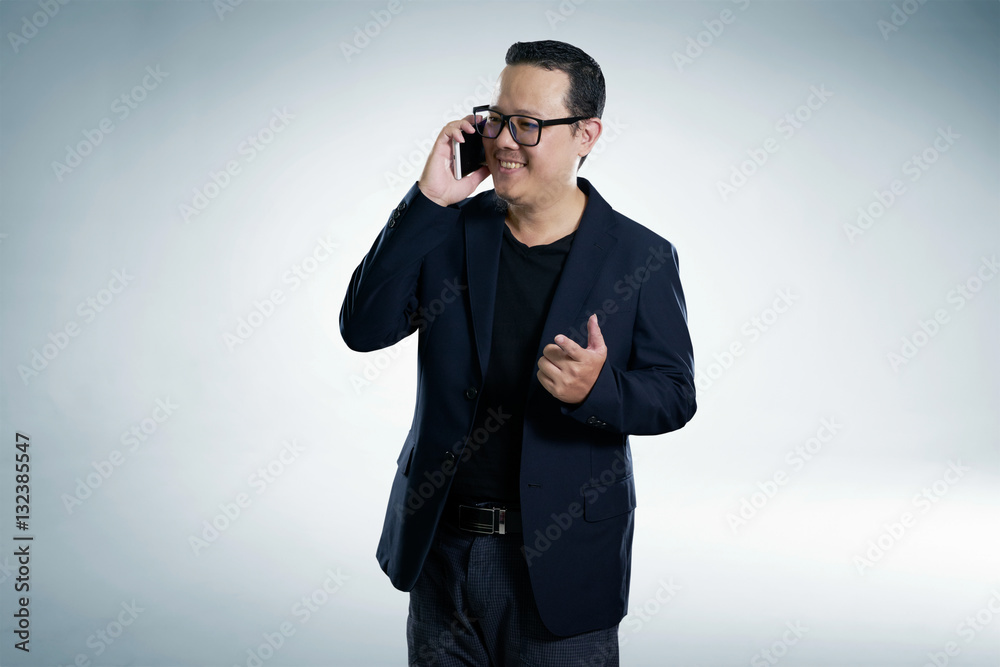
(533, 175)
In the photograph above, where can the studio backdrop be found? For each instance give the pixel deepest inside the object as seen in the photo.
(195, 467)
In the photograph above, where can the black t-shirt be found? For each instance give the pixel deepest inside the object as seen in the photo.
(526, 282)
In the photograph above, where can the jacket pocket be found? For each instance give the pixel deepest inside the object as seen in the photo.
(405, 456)
(604, 501)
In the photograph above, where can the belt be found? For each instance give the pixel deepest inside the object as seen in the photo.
(486, 518)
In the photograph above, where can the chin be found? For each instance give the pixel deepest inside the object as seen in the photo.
(504, 193)
(499, 204)
(509, 200)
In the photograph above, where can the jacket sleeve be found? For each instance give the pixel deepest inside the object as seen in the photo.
(656, 392)
(381, 300)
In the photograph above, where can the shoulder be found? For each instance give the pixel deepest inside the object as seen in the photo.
(485, 203)
(633, 236)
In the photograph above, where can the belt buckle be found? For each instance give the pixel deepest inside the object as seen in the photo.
(487, 521)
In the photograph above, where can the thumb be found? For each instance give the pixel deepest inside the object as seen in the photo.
(595, 339)
(478, 176)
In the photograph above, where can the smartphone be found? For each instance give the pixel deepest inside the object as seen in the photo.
(468, 156)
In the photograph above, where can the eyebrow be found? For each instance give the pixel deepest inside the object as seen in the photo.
(524, 112)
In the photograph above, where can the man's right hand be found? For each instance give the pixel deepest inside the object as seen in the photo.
(438, 180)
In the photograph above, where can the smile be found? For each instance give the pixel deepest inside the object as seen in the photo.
(510, 165)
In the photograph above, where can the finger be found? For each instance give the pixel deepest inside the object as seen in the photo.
(452, 130)
(478, 176)
(549, 367)
(595, 339)
(456, 128)
(569, 347)
(545, 380)
(555, 354)
(442, 148)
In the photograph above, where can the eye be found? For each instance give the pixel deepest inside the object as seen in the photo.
(524, 124)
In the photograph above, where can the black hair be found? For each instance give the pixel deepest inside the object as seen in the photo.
(586, 81)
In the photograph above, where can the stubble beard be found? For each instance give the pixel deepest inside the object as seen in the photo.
(499, 204)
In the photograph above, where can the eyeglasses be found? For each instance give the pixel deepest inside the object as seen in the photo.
(525, 130)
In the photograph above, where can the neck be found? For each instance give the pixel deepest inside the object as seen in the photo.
(548, 222)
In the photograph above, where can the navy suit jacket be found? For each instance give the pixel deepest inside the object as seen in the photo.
(433, 269)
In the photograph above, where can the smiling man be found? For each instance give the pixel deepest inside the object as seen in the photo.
(564, 331)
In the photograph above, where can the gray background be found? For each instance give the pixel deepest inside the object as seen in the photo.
(355, 143)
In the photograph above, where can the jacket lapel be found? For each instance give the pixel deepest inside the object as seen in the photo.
(591, 246)
(483, 236)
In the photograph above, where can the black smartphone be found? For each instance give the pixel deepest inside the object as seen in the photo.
(468, 156)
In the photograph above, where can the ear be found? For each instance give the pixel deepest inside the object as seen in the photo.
(588, 134)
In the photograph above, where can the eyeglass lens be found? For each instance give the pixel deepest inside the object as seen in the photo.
(523, 129)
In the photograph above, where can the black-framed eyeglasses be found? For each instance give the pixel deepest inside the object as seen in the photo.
(525, 130)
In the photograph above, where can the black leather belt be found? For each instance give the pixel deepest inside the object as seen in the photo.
(487, 518)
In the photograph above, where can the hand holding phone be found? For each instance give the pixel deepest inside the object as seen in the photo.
(437, 182)
(469, 156)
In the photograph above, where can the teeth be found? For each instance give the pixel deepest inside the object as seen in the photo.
(510, 165)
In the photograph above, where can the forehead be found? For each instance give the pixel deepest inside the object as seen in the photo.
(531, 90)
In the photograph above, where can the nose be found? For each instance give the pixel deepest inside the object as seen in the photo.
(505, 140)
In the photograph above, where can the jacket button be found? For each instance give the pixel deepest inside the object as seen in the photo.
(449, 455)
(401, 207)
(471, 393)
(591, 419)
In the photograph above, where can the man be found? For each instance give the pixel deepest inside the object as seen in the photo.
(550, 328)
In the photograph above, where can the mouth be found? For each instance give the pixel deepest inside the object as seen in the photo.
(510, 165)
